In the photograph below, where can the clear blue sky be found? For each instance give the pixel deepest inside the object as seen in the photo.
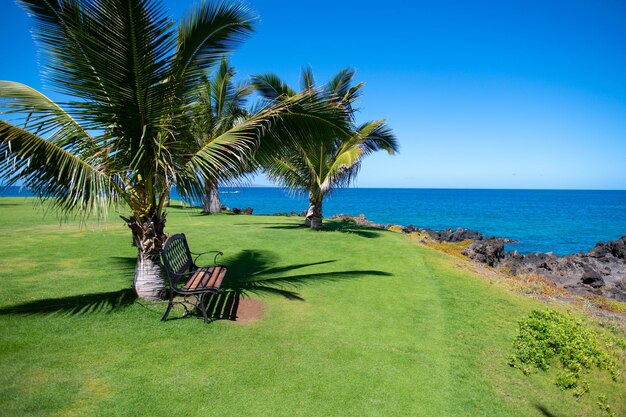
(502, 94)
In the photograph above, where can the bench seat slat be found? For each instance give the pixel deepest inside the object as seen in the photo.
(213, 278)
(220, 278)
(207, 275)
(206, 278)
(195, 280)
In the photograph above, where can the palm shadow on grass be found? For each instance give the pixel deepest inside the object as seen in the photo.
(197, 212)
(105, 302)
(73, 305)
(545, 411)
(254, 273)
(333, 226)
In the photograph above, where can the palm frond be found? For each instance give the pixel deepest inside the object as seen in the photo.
(37, 113)
(228, 99)
(307, 79)
(271, 87)
(50, 171)
(112, 55)
(341, 83)
(208, 32)
(222, 89)
(289, 171)
(378, 136)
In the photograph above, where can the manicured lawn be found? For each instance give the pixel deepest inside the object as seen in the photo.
(383, 327)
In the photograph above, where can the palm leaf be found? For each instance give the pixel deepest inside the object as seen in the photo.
(290, 171)
(111, 54)
(50, 171)
(271, 87)
(307, 78)
(377, 136)
(204, 36)
(38, 114)
(228, 99)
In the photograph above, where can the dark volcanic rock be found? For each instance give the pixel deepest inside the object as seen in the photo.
(290, 214)
(453, 235)
(360, 220)
(592, 278)
(489, 251)
(600, 271)
(616, 248)
(247, 210)
(342, 217)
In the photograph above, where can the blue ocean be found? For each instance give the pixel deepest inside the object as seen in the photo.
(559, 221)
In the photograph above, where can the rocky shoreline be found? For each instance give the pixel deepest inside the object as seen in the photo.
(600, 271)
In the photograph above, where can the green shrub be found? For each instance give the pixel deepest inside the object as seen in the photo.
(548, 338)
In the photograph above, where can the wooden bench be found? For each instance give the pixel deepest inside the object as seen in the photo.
(188, 279)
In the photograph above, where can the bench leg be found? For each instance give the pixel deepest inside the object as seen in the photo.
(169, 306)
(203, 308)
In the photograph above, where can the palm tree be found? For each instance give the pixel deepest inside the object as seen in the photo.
(220, 105)
(124, 136)
(320, 162)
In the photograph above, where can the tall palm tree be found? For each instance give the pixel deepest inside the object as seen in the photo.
(220, 105)
(321, 161)
(124, 136)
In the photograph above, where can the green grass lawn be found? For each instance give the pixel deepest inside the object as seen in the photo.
(358, 323)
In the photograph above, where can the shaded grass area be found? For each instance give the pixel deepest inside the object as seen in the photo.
(359, 322)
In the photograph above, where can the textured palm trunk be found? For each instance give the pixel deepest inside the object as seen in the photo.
(149, 238)
(211, 202)
(314, 215)
(149, 281)
(309, 213)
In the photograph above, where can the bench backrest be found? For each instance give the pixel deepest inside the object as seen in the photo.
(176, 258)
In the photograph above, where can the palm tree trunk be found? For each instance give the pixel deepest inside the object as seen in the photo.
(309, 213)
(314, 215)
(211, 202)
(216, 203)
(316, 218)
(149, 238)
(149, 282)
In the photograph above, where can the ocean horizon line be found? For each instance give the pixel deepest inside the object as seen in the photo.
(430, 188)
(438, 188)
(5, 187)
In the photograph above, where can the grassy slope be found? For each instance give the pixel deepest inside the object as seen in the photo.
(428, 339)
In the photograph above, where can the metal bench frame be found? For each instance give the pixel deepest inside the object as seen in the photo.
(182, 269)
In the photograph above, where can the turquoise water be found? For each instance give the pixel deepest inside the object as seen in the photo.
(561, 221)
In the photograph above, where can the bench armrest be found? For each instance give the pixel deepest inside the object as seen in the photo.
(216, 252)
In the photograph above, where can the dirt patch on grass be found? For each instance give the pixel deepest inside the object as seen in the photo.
(250, 310)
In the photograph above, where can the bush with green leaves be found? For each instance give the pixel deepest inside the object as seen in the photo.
(549, 338)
